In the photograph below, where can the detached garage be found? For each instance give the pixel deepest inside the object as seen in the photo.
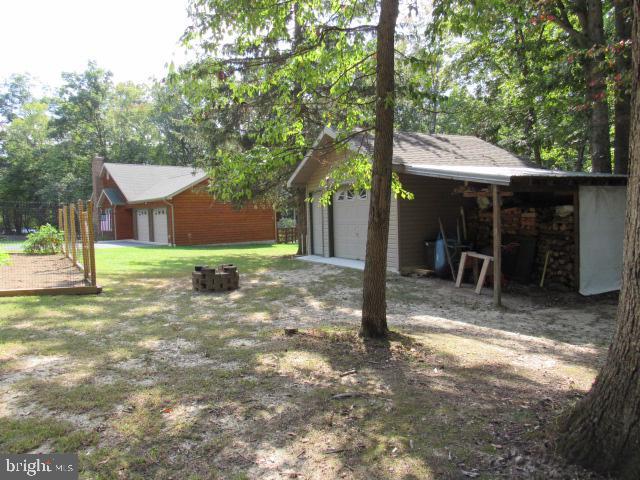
(571, 221)
(169, 205)
(350, 217)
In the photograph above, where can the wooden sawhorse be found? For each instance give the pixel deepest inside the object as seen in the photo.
(486, 260)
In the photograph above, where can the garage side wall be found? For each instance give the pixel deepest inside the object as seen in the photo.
(200, 220)
(418, 218)
(314, 185)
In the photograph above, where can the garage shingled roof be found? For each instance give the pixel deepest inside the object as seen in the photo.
(146, 183)
(456, 157)
(460, 150)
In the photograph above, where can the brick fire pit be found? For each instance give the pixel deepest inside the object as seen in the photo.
(223, 278)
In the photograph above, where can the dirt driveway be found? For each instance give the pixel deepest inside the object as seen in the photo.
(151, 380)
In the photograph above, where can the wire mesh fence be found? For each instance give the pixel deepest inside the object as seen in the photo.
(79, 239)
(42, 259)
(17, 219)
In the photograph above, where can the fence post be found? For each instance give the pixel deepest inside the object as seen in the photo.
(83, 239)
(85, 254)
(65, 219)
(92, 250)
(60, 224)
(72, 221)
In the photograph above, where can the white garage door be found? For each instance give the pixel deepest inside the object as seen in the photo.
(316, 219)
(350, 218)
(160, 226)
(142, 224)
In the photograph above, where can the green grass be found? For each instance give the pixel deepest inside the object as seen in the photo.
(162, 262)
(19, 436)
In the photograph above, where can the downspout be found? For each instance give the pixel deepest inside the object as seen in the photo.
(173, 222)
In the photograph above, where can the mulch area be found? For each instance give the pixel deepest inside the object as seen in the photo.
(39, 271)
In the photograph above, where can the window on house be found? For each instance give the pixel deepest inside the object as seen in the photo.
(105, 221)
(341, 195)
(362, 193)
(350, 194)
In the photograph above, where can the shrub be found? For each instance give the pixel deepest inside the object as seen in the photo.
(286, 223)
(45, 240)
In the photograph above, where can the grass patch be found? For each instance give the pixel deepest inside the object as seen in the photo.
(163, 261)
(24, 435)
(78, 398)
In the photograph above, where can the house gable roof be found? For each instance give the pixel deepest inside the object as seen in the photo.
(147, 183)
(418, 149)
(113, 195)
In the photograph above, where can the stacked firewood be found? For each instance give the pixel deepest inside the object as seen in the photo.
(481, 224)
(556, 240)
(553, 228)
(225, 277)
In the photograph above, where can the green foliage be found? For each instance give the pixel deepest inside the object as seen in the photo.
(46, 144)
(46, 240)
(265, 88)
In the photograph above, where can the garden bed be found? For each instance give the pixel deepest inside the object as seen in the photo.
(25, 273)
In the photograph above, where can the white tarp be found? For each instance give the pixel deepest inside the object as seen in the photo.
(602, 213)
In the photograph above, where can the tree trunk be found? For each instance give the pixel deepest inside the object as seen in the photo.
(300, 196)
(622, 106)
(603, 431)
(374, 303)
(301, 221)
(600, 142)
(580, 156)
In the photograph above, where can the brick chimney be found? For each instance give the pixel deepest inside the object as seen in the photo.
(96, 167)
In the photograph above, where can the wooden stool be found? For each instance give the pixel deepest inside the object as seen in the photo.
(486, 260)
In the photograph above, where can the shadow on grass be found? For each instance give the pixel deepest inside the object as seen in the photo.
(180, 384)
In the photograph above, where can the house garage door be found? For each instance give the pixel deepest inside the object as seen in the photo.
(350, 218)
(316, 219)
(160, 226)
(142, 224)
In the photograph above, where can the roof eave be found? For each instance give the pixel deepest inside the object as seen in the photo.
(326, 132)
(105, 195)
(490, 179)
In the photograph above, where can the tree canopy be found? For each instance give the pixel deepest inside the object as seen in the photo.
(47, 143)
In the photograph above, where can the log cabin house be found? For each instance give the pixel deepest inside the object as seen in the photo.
(170, 205)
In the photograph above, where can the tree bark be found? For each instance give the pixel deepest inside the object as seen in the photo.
(300, 196)
(580, 156)
(374, 303)
(534, 149)
(622, 107)
(600, 144)
(603, 430)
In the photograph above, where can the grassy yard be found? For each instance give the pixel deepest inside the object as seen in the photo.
(152, 380)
